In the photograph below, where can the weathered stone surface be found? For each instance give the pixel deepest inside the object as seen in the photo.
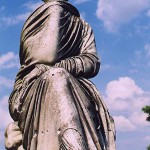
(53, 104)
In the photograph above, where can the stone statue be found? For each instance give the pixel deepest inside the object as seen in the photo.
(53, 104)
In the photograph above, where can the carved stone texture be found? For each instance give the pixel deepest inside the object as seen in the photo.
(54, 106)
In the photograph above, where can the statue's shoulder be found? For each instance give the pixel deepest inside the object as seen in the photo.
(60, 4)
(68, 6)
(87, 26)
(52, 7)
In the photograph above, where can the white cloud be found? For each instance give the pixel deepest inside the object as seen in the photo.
(123, 88)
(9, 60)
(125, 98)
(32, 6)
(6, 82)
(106, 67)
(6, 57)
(80, 1)
(147, 48)
(123, 124)
(83, 15)
(113, 13)
(140, 101)
(2, 8)
(147, 138)
(5, 117)
(13, 20)
(138, 54)
(124, 94)
(148, 13)
(1, 135)
(141, 58)
(140, 119)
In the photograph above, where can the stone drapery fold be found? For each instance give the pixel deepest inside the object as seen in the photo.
(60, 101)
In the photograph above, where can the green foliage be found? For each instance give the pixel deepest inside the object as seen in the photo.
(148, 148)
(146, 110)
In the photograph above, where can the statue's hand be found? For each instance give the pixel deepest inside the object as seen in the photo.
(13, 137)
(36, 72)
(31, 76)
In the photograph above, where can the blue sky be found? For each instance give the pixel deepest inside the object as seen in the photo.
(122, 32)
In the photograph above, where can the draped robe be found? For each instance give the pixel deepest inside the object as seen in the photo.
(59, 108)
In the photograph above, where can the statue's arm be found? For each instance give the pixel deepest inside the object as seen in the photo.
(87, 63)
